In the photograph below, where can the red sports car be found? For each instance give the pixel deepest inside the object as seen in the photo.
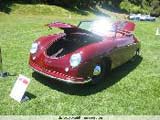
(86, 52)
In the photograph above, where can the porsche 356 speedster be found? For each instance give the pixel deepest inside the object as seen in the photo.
(84, 53)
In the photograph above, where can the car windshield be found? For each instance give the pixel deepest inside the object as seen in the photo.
(102, 27)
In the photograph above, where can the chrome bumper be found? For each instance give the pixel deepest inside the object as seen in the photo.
(60, 79)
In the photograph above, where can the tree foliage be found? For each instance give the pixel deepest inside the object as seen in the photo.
(141, 6)
(132, 6)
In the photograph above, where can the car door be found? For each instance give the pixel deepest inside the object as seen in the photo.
(131, 46)
(121, 53)
(124, 42)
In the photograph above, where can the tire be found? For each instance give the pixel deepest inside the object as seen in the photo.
(100, 77)
(136, 54)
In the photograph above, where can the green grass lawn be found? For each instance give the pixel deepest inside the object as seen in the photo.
(132, 89)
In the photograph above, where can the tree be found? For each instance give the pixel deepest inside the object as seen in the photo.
(155, 4)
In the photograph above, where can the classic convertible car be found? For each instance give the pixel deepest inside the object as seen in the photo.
(84, 53)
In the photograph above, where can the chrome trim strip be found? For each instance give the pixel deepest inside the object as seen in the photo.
(68, 81)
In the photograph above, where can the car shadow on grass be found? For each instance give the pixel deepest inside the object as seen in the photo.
(83, 90)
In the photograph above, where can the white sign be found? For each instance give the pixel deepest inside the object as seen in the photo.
(158, 31)
(19, 88)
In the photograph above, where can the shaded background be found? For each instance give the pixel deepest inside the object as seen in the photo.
(129, 6)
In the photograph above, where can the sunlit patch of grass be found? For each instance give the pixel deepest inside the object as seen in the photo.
(41, 9)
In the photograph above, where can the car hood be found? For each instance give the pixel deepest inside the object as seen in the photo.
(61, 25)
(68, 28)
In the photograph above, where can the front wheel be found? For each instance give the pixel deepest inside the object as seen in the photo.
(99, 71)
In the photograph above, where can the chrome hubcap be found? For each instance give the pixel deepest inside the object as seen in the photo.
(97, 70)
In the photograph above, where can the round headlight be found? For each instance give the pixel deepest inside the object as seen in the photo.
(75, 60)
(34, 48)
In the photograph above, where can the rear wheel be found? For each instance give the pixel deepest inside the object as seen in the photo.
(136, 53)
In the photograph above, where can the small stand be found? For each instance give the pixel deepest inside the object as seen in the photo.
(2, 73)
(25, 98)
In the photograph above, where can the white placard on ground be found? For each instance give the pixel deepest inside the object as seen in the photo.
(158, 31)
(19, 88)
